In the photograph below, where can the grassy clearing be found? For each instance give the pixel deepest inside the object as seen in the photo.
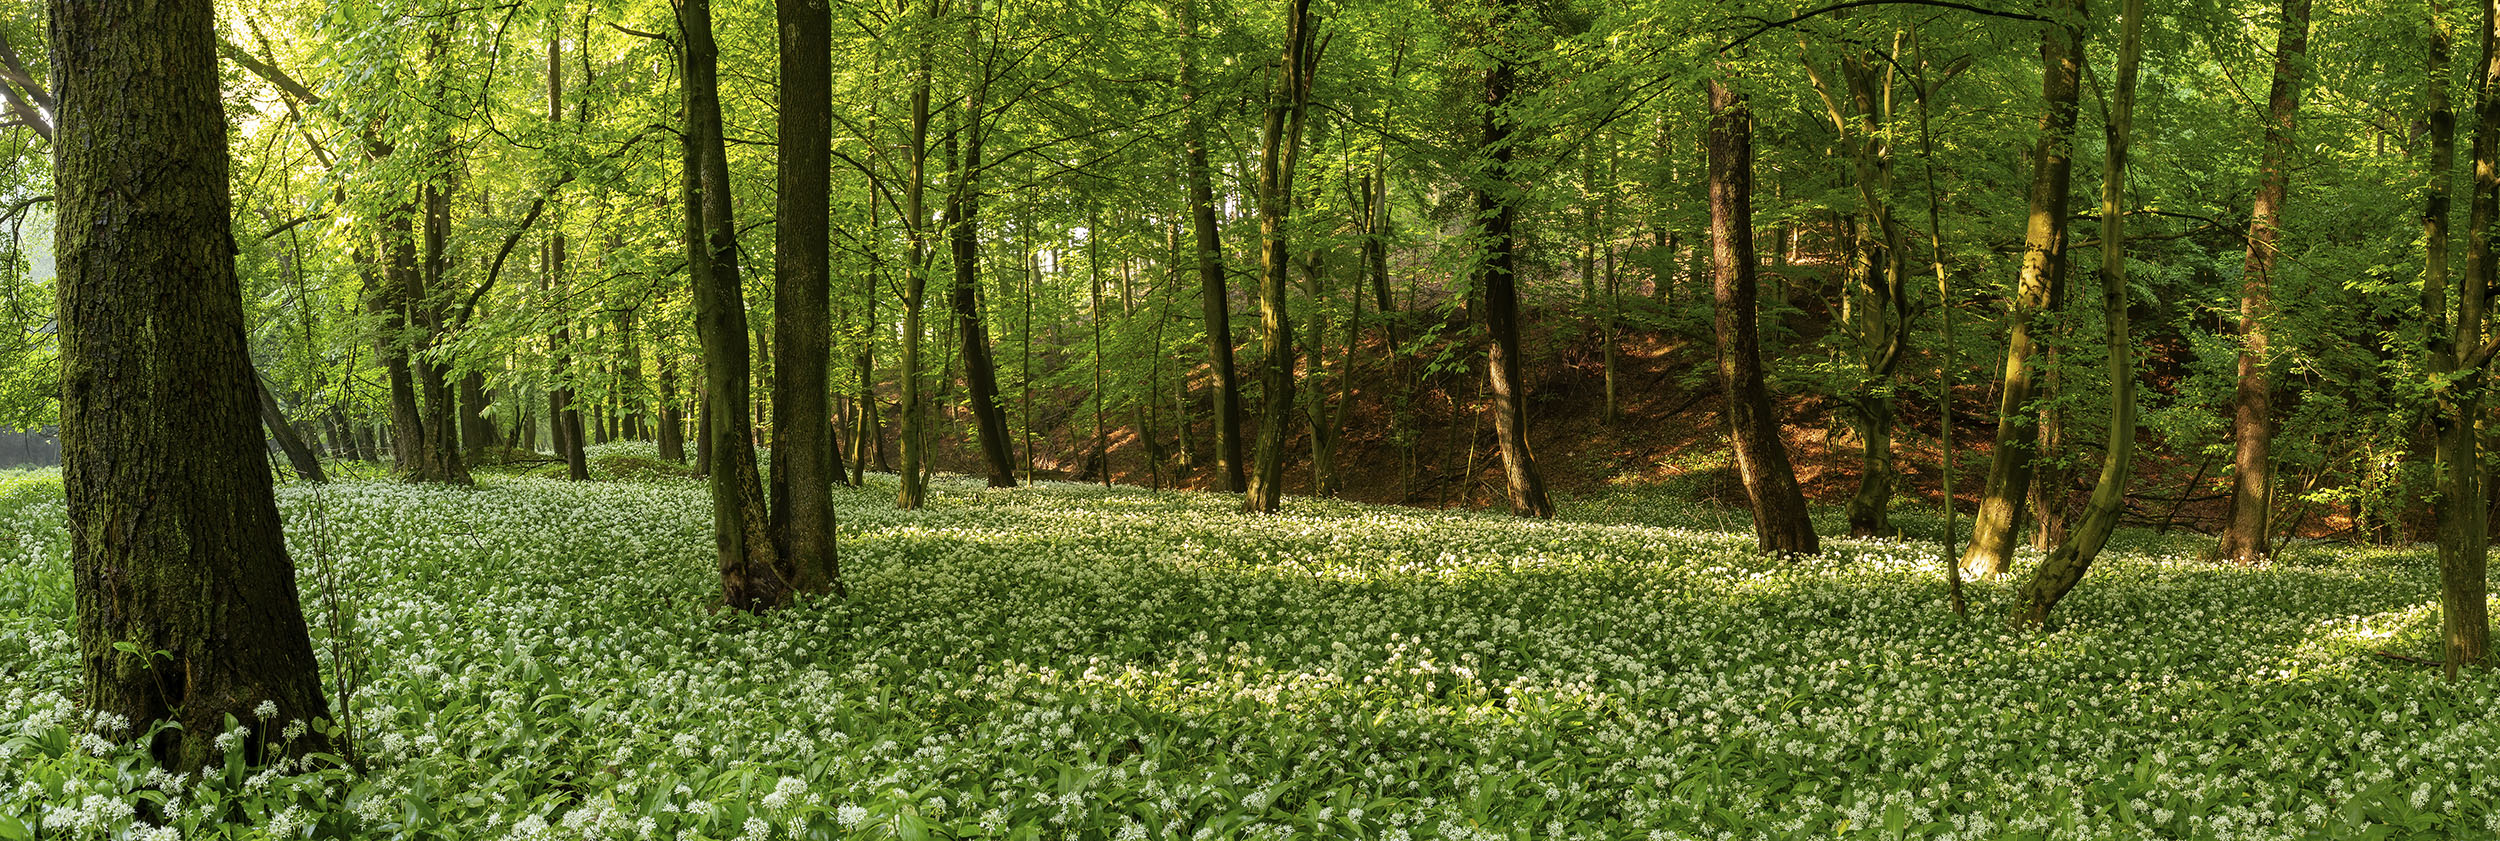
(1066, 661)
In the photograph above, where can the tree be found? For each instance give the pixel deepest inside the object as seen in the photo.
(804, 466)
(2464, 531)
(2043, 273)
(963, 203)
(1497, 213)
(1213, 299)
(753, 576)
(2066, 565)
(2252, 488)
(1280, 150)
(187, 607)
(1779, 506)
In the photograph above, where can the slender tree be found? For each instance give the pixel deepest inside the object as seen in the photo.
(2066, 565)
(1280, 149)
(1498, 213)
(187, 604)
(1779, 506)
(2244, 534)
(1214, 300)
(2043, 272)
(2463, 522)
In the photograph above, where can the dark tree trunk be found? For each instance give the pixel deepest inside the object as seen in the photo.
(476, 432)
(2463, 519)
(2252, 414)
(804, 468)
(439, 454)
(1210, 246)
(564, 415)
(1779, 507)
(298, 454)
(911, 489)
(2001, 504)
(1496, 211)
(989, 416)
(753, 576)
(672, 422)
(175, 547)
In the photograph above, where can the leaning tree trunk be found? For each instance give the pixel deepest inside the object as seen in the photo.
(299, 455)
(2244, 535)
(1779, 506)
(1497, 209)
(187, 605)
(753, 576)
(2066, 565)
(1212, 297)
(804, 466)
(2001, 503)
(1280, 148)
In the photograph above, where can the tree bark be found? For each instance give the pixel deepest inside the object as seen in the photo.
(187, 604)
(2066, 565)
(1779, 506)
(564, 415)
(1210, 246)
(1281, 143)
(2008, 486)
(753, 575)
(2244, 535)
(804, 467)
(911, 486)
(672, 437)
(989, 415)
(2463, 529)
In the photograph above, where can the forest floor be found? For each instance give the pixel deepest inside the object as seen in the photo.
(541, 659)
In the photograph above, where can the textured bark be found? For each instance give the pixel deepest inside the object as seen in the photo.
(1497, 211)
(1280, 147)
(2252, 413)
(564, 414)
(1875, 299)
(2008, 487)
(1212, 298)
(753, 576)
(1779, 507)
(2066, 565)
(2459, 509)
(989, 415)
(804, 467)
(175, 547)
(476, 432)
(439, 454)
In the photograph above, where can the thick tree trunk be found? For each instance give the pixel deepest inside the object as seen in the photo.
(2008, 487)
(175, 549)
(804, 467)
(1210, 246)
(1497, 210)
(2066, 565)
(476, 432)
(1779, 507)
(440, 451)
(753, 575)
(1281, 145)
(2244, 535)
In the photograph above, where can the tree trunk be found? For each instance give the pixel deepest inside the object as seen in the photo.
(476, 432)
(2463, 529)
(298, 455)
(1497, 210)
(177, 561)
(2244, 535)
(989, 416)
(2043, 270)
(804, 467)
(1281, 145)
(1210, 246)
(564, 416)
(753, 576)
(2073, 556)
(911, 489)
(1779, 507)
(440, 452)
(672, 422)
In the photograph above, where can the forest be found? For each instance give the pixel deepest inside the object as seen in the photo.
(1209, 419)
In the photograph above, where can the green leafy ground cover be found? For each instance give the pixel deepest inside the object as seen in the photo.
(543, 660)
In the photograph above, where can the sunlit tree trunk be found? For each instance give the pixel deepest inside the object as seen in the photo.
(2463, 530)
(1280, 148)
(2244, 534)
(2001, 504)
(1497, 211)
(2067, 564)
(1210, 246)
(912, 485)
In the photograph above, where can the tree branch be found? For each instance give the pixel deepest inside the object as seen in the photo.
(1852, 4)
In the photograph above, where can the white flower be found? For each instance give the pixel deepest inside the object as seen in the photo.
(267, 709)
(850, 815)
